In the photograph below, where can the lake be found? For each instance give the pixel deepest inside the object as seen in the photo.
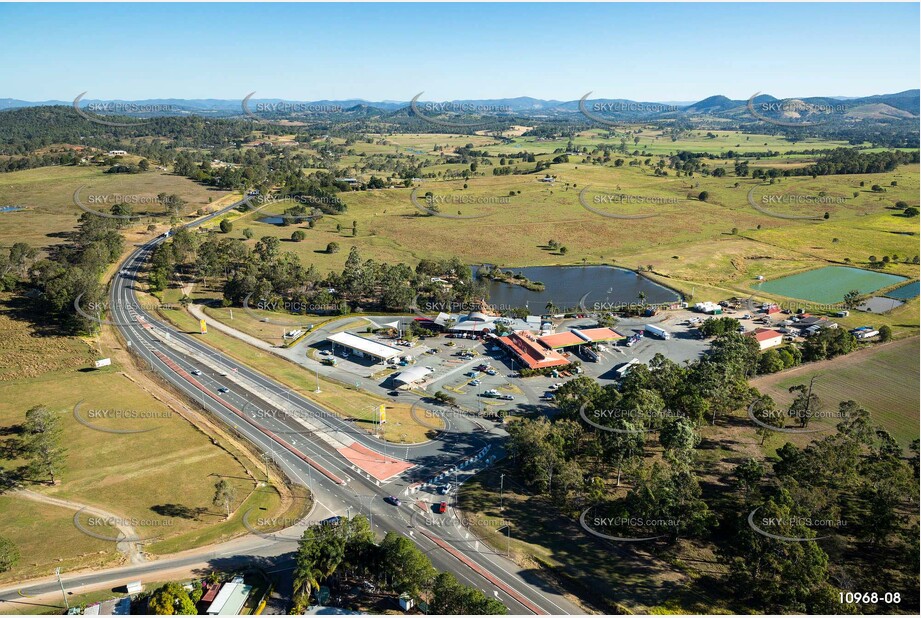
(567, 285)
(829, 284)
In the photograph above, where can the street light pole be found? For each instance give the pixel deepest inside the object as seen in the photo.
(501, 488)
(57, 572)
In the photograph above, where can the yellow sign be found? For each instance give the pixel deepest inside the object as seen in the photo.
(203, 326)
(382, 413)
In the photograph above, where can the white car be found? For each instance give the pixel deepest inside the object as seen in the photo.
(196, 372)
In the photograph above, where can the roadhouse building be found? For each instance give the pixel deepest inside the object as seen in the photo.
(363, 348)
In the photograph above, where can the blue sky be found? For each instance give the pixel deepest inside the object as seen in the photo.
(650, 52)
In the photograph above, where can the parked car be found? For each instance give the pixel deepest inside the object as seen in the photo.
(474, 382)
(444, 489)
(491, 372)
(393, 500)
(506, 398)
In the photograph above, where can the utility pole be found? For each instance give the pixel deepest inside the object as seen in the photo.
(318, 379)
(57, 572)
(265, 459)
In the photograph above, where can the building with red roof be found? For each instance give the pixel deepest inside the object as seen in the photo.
(767, 337)
(531, 352)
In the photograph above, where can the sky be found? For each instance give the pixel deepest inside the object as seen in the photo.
(643, 52)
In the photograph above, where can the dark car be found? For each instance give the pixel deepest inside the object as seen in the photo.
(392, 500)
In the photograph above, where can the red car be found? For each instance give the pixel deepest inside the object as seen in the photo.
(441, 508)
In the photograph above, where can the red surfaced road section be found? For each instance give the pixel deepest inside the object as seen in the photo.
(378, 465)
(483, 573)
(189, 378)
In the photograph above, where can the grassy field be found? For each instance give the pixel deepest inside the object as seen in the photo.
(46, 538)
(47, 193)
(882, 378)
(168, 490)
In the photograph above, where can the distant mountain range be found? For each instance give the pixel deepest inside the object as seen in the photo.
(900, 105)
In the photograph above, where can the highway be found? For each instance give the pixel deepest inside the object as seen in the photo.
(303, 445)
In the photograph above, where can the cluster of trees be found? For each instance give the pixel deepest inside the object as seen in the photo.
(852, 161)
(664, 398)
(854, 485)
(266, 272)
(348, 550)
(73, 270)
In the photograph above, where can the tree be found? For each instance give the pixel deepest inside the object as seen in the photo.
(298, 235)
(247, 233)
(9, 554)
(805, 405)
(332, 247)
(226, 226)
(449, 597)
(42, 443)
(224, 495)
(748, 474)
(853, 298)
(678, 438)
(775, 575)
(885, 333)
(171, 599)
(911, 211)
(703, 195)
(408, 569)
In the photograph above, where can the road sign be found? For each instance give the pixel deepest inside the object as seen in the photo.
(103, 362)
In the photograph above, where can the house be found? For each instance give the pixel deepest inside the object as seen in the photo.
(767, 337)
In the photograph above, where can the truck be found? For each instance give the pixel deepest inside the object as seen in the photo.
(589, 354)
(867, 334)
(624, 369)
(655, 331)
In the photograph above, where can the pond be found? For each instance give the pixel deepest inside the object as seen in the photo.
(906, 292)
(567, 285)
(829, 284)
